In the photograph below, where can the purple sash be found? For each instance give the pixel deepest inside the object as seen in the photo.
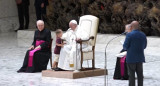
(122, 62)
(31, 53)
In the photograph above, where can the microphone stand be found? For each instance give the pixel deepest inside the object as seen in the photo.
(105, 66)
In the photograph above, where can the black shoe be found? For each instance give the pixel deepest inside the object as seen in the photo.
(19, 71)
(15, 30)
(20, 28)
(58, 69)
(52, 68)
(26, 27)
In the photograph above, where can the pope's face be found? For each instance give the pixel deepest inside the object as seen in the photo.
(72, 26)
(40, 26)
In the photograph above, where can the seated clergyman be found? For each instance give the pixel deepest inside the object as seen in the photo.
(37, 57)
(68, 59)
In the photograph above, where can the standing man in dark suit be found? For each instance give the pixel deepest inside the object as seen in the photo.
(135, 43)
(23, 13)
(40, 6)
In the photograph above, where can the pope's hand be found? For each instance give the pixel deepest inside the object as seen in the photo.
(78, 39)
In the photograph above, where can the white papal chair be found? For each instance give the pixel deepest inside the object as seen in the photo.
(89, 23)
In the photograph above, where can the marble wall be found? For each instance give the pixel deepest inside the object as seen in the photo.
(9, 15)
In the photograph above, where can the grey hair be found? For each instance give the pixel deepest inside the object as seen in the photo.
(73, 21)
(40, 21)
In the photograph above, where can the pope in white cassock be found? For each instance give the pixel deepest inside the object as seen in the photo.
(67, 59)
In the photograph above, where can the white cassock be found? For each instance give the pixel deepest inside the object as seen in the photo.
(68, 52)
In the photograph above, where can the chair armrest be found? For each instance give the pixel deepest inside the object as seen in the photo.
(63, 40)
(80, 41)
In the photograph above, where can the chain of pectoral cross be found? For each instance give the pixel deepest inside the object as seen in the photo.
(73, 38)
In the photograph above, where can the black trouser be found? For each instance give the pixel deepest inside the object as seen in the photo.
(138, 68)
(23, 15)
(40, 13)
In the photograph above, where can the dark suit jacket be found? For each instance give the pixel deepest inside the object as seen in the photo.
(135, 43)
(39, 2)
(26, 2)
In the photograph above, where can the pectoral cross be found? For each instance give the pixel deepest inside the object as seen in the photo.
(72, 39)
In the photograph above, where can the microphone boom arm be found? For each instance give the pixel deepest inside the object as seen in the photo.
(105, 66)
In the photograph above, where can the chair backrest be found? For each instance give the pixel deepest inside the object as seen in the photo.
(89, 23)
(50, 46)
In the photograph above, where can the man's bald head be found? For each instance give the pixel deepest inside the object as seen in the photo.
(135, 25)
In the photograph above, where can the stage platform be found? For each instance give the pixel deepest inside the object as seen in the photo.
(74, 75)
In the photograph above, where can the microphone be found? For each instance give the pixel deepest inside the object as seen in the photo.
(105, 67)
(124, 33)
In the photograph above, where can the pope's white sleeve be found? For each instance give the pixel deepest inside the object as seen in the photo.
(64, 36)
